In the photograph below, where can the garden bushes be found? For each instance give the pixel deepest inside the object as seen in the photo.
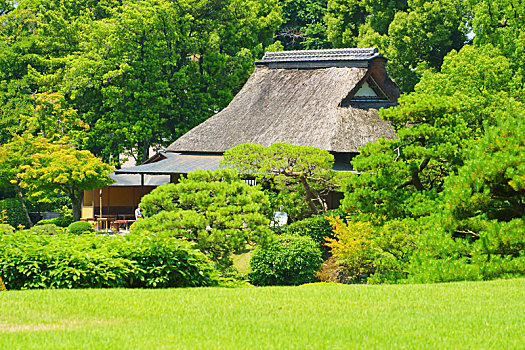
(5, 228)
(49, 229)
(290, 260)
(35, 260)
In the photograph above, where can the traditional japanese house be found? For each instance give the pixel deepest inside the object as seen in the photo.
(323, 98)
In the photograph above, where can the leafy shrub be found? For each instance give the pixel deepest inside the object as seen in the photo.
(353, 246)
(62, 221)
(373, 253)
(33, 260)
(80, 227)
(5, 228)
(290, 260)
(331, 271)
(15, 213)
(49, 229)
(317, 227)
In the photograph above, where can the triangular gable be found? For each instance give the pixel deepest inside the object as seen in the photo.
(366, 91)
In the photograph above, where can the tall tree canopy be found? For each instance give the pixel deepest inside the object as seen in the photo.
(138, 72)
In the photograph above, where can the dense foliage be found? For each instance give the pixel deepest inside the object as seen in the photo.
(126, 75)
(443, 201)
(289, 260)
(14, 212)
(216, 210)
(453, 178)
(35, 260)
(6, 228)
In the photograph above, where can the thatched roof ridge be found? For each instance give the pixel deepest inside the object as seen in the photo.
(301, 107)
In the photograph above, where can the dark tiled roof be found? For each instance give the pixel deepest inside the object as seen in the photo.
(173, 163)
(319, 58)
(134, 180)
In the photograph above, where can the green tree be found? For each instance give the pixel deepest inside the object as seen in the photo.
(303, 25)
(36, 38)
(158, 68)
(300, 169)
(491, 183)
(140, 72)
(434, 126)
(501, 24)
(15, 157)
(60, 168)
(415, 35)
(216, 210)
(477, 230)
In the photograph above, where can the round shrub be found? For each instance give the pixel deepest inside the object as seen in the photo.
(289, 260)
(15, 213)
(5, 228)
(80, 227)
(316, 227)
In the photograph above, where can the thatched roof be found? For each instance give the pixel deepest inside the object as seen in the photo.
(301, 106)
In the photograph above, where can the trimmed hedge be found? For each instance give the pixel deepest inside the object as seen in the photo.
(15, 212)
(62, 221)
(290, 260)
(34, 260)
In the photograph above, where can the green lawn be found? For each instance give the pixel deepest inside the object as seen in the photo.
(477, 315)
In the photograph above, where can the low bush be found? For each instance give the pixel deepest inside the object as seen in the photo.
(33, 260)
(62, 221)
(80, 227)
(5, 228)
(15, 213)
(290, 260)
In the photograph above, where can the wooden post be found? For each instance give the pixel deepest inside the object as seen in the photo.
(141, 185)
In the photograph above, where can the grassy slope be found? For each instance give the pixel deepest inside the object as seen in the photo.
(458, 315)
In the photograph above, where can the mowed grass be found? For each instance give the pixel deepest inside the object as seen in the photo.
(477, 315)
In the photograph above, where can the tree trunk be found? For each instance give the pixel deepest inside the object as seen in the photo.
(21, 200)
(76, 201)
(309, 194)
(144, 151)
